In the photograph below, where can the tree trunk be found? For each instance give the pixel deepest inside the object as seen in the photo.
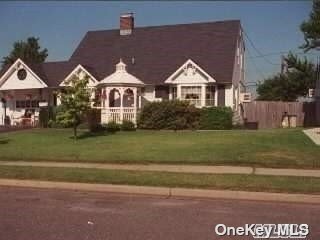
(75, 132)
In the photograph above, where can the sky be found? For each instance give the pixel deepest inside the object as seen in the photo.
(272, 26)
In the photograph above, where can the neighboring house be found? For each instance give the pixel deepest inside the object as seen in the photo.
(199, 62)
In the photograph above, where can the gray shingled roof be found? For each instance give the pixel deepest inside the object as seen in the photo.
(157, 51)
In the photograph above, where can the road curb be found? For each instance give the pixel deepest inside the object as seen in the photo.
(165, 191)
(183, 168)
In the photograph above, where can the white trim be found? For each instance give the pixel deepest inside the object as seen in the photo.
(216, 96)
(62, 84)
(7, 74)
(189, 61)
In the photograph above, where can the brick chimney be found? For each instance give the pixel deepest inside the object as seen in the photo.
(126, 23)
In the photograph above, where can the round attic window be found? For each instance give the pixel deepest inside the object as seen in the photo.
(22, 74)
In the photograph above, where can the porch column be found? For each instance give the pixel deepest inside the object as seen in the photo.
(106, 103)
(178, 91)
(170, 93)
(121, 104)
(135, 104)
(203, 95)
(140, 99)
(216, 96)
(106, 100)
(93, 96)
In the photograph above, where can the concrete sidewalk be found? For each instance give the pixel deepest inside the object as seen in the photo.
(173, 168)
(313, 134)
(165, 191)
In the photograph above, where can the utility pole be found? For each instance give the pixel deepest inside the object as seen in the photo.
(317, 92)
(318, 76)
(284, 65)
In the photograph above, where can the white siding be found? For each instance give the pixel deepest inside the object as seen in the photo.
(12, 82)
(229, 95)
(149, 93)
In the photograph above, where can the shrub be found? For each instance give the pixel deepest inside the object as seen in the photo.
(216, 118)
(59, 118)
(172, 114)
(112, 127)
(43, 117)
(47, 116)
(128, 126)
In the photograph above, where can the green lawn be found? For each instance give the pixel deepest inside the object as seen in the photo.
(268, 148)
(206, 181)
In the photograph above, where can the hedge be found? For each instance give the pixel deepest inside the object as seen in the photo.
(216, 118)
(172, 114)
(46, 115)
(177, 115)
(127, 126)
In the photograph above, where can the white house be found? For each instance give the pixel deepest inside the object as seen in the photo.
(202, 63)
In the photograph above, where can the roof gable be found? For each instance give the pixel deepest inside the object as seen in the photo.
(80, 72)
(190, 72)
(9, 80)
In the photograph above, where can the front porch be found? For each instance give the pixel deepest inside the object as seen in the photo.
(21, 107)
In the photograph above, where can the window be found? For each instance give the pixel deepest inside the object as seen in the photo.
(174, 92)
(192, 94)
(27, 103)
(210, 95)
(22, 74)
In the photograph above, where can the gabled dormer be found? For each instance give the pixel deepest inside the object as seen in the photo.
(80, 72)
(189, 73)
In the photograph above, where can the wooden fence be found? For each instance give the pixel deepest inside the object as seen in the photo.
(269, 114)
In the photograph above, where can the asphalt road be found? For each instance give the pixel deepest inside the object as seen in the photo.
(30, 214)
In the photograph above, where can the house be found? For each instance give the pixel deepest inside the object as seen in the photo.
(202, 63)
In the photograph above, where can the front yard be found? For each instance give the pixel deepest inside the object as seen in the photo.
(286, 148)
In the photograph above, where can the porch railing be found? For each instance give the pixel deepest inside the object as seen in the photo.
(118, 114)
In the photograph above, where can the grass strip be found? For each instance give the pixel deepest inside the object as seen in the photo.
(187, 180)
(279, 148)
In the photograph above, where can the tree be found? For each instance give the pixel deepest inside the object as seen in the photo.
(28, 52)
(75, 102)
(311, 28)
(296, 82)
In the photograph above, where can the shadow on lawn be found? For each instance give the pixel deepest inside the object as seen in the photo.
(88, 134)
(4, 141)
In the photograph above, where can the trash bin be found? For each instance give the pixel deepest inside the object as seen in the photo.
(285, 120)
(293, 121)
